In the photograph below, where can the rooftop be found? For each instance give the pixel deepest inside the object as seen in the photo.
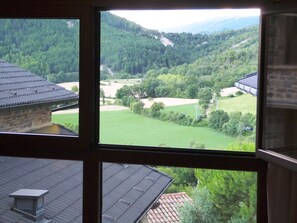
(167, 211)
(19, 87)
(249, 83)
(128, 190)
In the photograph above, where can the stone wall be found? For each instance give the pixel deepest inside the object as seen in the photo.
(24, 118)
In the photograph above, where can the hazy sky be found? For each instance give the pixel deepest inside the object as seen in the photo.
(154, 19)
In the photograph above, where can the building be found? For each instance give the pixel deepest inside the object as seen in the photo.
(26, 101)
(167, 208)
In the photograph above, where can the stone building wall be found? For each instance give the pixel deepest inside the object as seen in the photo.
(24, 118)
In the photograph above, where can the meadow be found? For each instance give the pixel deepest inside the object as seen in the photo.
(125, 127)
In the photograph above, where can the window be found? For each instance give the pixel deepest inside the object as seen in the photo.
(39, 75)
(168, 77)
(85, 147)
(280, 100)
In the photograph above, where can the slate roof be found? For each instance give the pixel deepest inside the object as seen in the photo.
(128, 190)
(19, 87)
(167, 211)
(249, 83)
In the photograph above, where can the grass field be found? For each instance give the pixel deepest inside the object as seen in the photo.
(125, 127)
(245, 103)
(189, 109)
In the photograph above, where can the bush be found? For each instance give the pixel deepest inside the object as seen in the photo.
(217, 119)
(137, 107)
(156, 108)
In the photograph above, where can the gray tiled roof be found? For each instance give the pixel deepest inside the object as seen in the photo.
(128, 190)
(249, 83)
(19, 87)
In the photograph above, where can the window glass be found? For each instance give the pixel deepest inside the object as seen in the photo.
(39, 71)
(43, 189)
(188, 80)
(138, 193)
(281, 78)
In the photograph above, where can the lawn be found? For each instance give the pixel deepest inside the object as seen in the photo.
(245, 103)
(125, 127)
(189, 109)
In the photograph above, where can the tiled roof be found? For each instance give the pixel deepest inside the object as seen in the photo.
(249, 83)
(19, 87)
(128, 190)
(167, 211)
(54, 129)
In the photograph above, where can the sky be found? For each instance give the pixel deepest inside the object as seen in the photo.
(160, 19)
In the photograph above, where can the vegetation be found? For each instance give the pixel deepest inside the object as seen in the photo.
(47, 47)
(223, 196)
(113, 125)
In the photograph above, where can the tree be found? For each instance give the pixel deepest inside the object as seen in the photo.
(233, 193)
(156, 108)
(217, 119)
(200, 210)
(137, 107)
(102, 95)
(204, 96)
(75, 89)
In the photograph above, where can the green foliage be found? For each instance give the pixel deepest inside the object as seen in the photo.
(43, 46)
(184, 179)
(137, 107)
(73, 127)
(155, 109)
(239, 124)
(75, 89)
(217, 119)
(233, 193)
(200, 210)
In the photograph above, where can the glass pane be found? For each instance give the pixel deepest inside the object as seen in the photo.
(281, 80)
(39, 65)
(138, 193)
(43, 189)
(178, 78)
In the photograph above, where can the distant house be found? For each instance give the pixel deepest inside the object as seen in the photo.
(26, 100)
(167, 208)
(41, 190)
(248, 84)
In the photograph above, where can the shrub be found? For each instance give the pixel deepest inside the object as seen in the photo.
(137, 107)
(217, 119)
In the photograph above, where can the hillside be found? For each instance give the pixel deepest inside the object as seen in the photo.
(42, 46)
(50, 48)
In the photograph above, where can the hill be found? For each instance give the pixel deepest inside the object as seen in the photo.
(50, 48)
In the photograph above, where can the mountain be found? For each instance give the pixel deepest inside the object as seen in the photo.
(217, 25)
(50, 48)
(129, 48)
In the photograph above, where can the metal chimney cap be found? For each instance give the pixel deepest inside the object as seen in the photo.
(29, 193)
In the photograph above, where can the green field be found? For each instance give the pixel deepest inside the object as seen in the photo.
(245, 103)
(189, 109)
(125, 127)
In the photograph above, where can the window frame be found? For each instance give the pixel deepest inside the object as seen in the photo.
(85, 147)
(262, 152)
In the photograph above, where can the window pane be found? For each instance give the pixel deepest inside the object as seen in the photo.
(281, 77)
(133, 193)
(178, 82)
(39, 64)
(40, 189)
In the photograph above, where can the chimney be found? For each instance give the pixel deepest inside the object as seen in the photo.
(30, 203)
